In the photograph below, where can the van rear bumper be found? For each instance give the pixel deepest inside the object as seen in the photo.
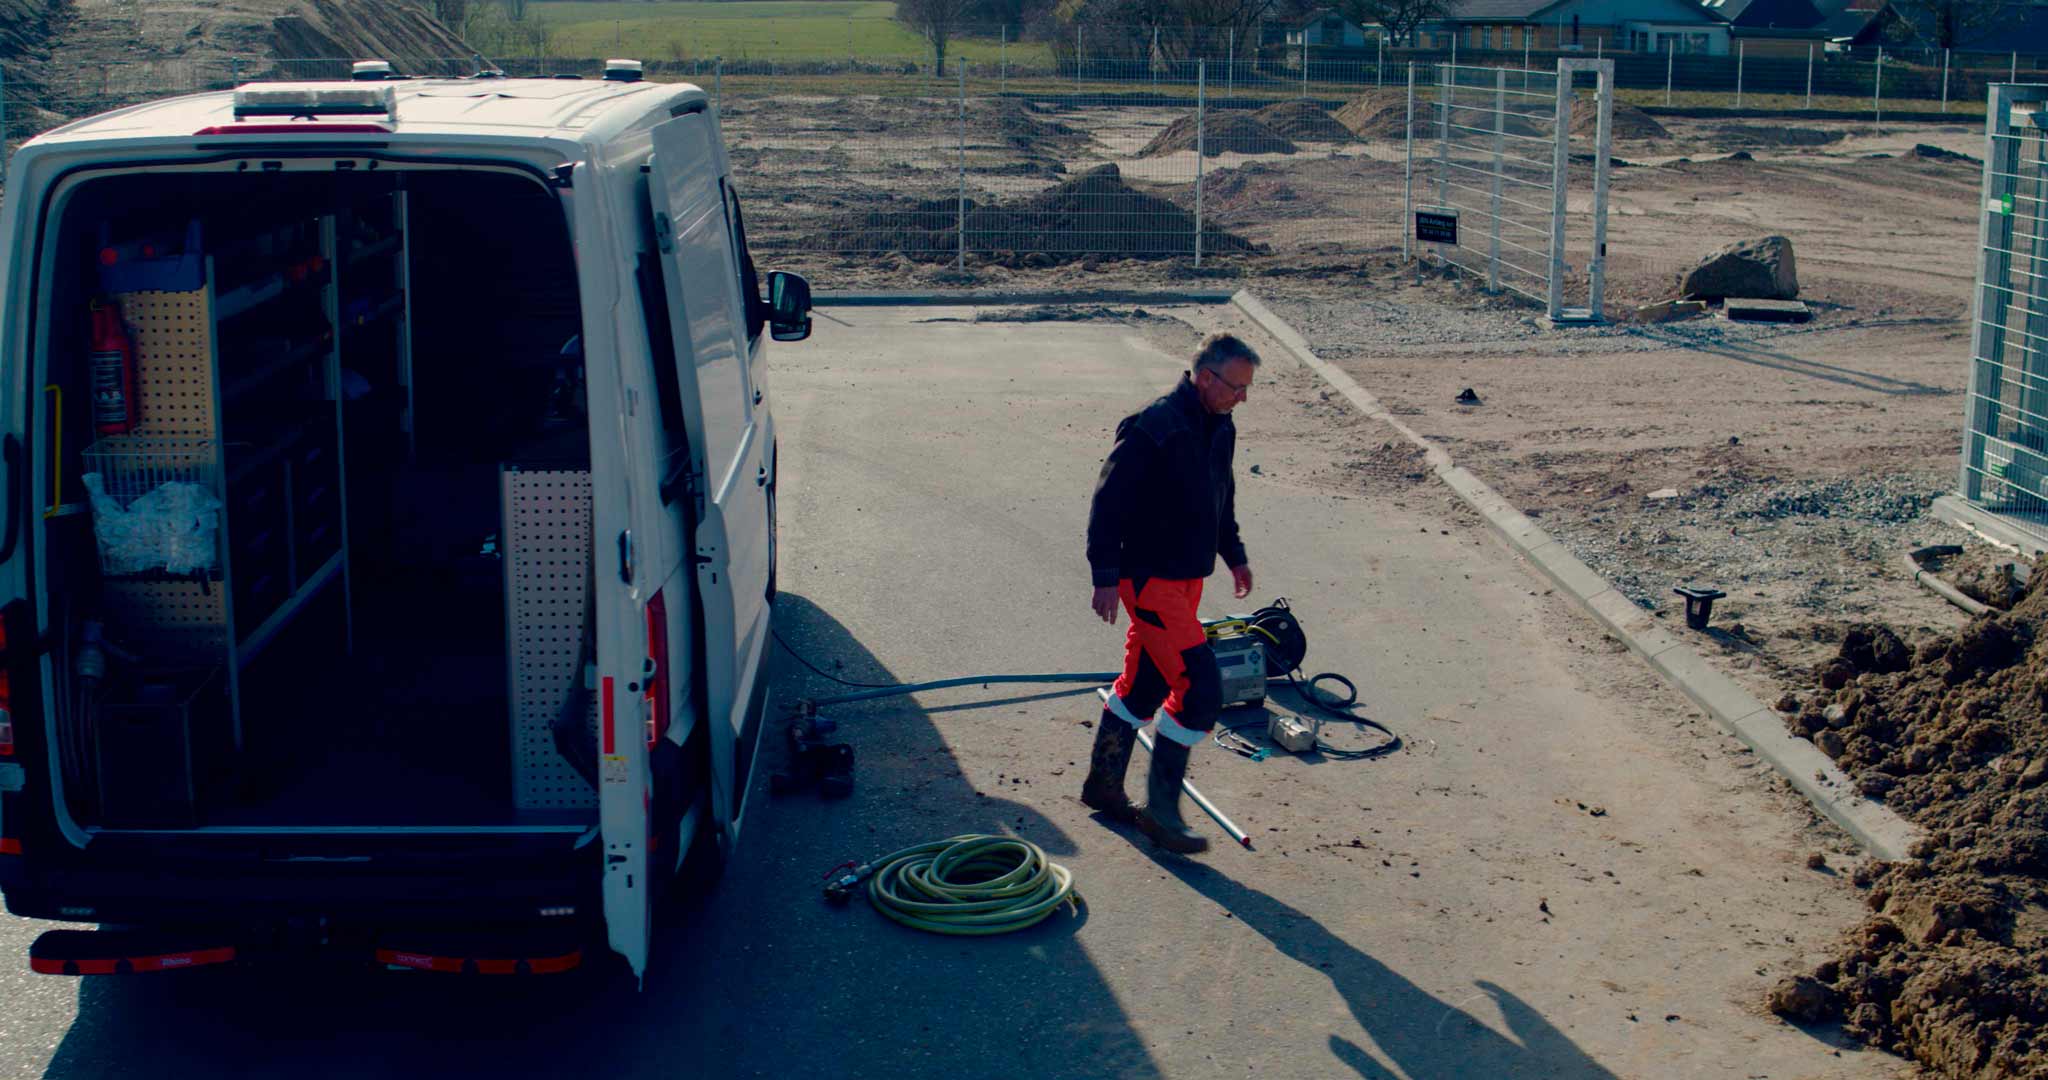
(170, 893)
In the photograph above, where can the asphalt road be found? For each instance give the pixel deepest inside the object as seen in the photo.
(1457, 909)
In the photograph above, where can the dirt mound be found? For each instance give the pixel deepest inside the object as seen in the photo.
(1952, 970)
(1758, 135)
(1091, 215)
(1627, 122)
(1226, 132)
(1935, 153)
(1303, 122)
(1254, 187)
(1377, 116)
(1022, 126)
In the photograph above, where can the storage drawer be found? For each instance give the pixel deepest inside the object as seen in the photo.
(260, 585)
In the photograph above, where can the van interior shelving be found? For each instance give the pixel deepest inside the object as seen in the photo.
(336, 568)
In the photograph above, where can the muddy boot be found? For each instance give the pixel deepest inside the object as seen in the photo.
(1103, 791)
(1160, 816)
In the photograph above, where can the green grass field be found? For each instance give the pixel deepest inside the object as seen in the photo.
(749, 30)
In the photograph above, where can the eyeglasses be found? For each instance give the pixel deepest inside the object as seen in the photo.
(1238, 388)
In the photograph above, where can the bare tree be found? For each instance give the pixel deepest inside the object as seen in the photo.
(937, 21)
(1399, 18)
(451, 13)
(1945, 24)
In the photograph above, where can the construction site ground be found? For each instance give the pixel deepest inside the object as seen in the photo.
(1566, 870)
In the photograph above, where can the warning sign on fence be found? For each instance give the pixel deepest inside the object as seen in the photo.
(1436, 226)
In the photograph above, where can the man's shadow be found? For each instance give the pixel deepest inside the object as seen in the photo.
(1418, 1032)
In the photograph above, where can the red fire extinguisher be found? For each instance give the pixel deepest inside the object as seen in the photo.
(114, 405)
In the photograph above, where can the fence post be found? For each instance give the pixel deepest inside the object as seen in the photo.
(1201, 147)
(718, 86)
(1809, 75)
(1152, 61)
(1304, 62)
(1003, 52)
(3, 119)
(1559, 175)
(1740, 48)
(1408, 176)
(1230, 65)
(1877, 89)
(1500, 146)
(849, 44)
(1445, 74)
(1454, 48)
(1670, 65)
(960, 263)
(1944, 80)
(2015, 75)
(1079, 59)
(235, 70)
(1603, 149)
(1379, 62)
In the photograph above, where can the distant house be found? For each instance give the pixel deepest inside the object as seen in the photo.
(1581, 25)
(1782, 27)
(1329, 30)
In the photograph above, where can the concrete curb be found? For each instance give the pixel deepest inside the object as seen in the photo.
(1880, 831)
(982, 299)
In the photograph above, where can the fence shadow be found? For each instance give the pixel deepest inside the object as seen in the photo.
(758, 978)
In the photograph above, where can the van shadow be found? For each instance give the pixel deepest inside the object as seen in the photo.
(759, 977)
(1419, 1032)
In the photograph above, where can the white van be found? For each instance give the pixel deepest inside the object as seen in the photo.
(389, 539)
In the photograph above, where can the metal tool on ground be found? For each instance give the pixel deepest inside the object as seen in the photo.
(1699, 605)
(813, 761)
(973, 885)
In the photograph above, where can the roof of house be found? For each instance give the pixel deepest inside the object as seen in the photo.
(1498, 10)
(1767, 14)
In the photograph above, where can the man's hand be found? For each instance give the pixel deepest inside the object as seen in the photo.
(1105, 603)
(1242, 576)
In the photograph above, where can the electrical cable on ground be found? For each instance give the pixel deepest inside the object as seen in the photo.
(975, 884)
(821, 672)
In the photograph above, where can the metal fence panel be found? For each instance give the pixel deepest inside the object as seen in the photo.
(2005, 426)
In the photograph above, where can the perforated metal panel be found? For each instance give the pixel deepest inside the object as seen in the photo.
(188, 618)
(546, 550)
(173, 336)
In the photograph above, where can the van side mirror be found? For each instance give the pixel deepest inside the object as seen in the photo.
(789, 306)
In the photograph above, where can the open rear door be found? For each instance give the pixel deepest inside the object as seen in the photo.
(729, 457)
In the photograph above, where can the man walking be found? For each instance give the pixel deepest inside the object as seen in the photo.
(1164, 509)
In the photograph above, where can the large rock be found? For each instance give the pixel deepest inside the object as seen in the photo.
(1753, 268)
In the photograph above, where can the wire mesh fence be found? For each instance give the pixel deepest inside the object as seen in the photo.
(2005, 432)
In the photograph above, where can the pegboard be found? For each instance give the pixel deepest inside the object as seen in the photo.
(173, 336)
(173, 620)
(546, 551)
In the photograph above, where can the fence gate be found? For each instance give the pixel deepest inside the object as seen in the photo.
(1494, 156)
(2005, 421)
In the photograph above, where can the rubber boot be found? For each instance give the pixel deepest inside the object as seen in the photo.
(1160, 817)
(1103, 791)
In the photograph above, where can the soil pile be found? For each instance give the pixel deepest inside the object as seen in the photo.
(1626, 122)
(1303, 122)
(1935, 153)
(1757, 135)
(1226, 132)
(1092, 215)
(1254, 187)
(1378, 116)
(1952, 970)
(1022, 126)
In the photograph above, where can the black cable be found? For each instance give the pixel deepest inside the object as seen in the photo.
(822, 673)
(1342, 711)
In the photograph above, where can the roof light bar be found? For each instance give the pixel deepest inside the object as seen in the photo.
(371, 70)
(316, 99)
(624, 70)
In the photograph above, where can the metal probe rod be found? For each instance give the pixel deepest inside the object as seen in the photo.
(1201, 800)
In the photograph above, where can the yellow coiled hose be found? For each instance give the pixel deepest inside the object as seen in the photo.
(971, 884)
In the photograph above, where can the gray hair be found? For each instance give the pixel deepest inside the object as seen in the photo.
(1220, 349)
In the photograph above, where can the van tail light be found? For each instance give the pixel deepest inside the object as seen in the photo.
(6, 700)
(657, 668)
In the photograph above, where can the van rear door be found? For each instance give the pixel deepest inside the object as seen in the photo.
(729, 458)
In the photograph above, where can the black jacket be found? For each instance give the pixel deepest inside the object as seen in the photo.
(1166, 503)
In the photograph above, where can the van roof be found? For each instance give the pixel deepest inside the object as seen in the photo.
(566, 108)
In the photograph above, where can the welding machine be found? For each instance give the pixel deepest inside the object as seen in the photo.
(1240, 656)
